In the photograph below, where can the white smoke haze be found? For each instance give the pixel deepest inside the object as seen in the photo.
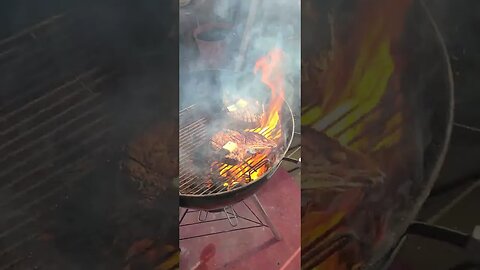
(275, 24)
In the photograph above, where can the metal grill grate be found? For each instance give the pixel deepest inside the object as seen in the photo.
(193, 135)
(52, 122)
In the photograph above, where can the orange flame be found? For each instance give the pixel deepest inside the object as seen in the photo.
(270, 67)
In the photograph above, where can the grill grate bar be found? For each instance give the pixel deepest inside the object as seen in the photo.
(183, 177)
(36, 85)
(190, 137)
(186, 148)
(27, 207)
(202, 188)
(38, 26)
(192, 128)
(36, 120)
(22, 54)
(33, 147)
(26, 236)
(187, 111)
(244, 170)
(252, 168)
(40, 183)
(15, 246)
(53, 177)
(95, 123)
(51, 133)
(188, 182)
(30, 44)
(185, 180)
(45, 97)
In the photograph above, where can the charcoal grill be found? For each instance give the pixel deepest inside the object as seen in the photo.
(195, 125)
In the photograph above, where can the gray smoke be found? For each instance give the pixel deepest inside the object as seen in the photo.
(276, 24)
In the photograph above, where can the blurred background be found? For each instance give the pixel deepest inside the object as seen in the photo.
(455, 199)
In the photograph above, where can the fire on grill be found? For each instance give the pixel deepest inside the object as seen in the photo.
(245, 112)
(240, 146)
(246, 151)
(241, 142)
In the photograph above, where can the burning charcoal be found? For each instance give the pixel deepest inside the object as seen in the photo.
(226, 180)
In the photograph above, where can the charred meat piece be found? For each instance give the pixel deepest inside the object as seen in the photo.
(328, 164)
(240, 146)
(245, 113)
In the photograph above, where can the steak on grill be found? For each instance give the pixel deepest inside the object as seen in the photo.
(242, 145)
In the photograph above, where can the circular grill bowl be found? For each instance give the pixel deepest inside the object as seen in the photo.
(226, 198)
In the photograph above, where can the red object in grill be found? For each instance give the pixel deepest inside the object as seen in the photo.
(210, 39)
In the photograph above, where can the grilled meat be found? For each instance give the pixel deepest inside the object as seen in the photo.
(245, 113)
(327, 164)
(240, 146)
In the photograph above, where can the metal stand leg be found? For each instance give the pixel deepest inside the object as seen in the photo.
(183, 216)
(231, 215)
(266, 218)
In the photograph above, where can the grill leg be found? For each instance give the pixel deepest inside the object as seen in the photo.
(231, 215)
(183, 216)
(266, 218)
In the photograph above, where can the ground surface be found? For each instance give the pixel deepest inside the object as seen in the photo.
(253, 248)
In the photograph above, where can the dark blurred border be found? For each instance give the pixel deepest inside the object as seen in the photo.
(79, 82)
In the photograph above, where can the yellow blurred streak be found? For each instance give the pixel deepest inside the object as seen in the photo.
(171, 262)
(312, 115)
(310, 236)
(368, 90)
(389, 140)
